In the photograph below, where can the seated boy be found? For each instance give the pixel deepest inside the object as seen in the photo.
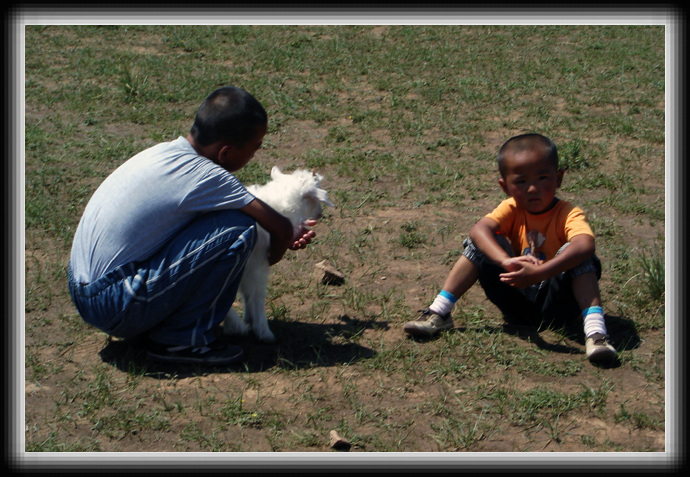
(533, 255)
(162, 244)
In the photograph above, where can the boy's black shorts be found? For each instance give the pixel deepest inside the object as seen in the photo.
(551, 301)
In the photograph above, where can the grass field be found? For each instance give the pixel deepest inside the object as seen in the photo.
(404, 123)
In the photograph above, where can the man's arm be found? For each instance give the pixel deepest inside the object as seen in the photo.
(277, 225)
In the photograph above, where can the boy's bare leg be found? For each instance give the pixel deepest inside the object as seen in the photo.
(586, 291)
(461, 277)
(437, 317)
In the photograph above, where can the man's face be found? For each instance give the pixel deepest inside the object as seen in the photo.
(233, 158)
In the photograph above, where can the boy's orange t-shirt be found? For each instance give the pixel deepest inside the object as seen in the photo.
(549, 230)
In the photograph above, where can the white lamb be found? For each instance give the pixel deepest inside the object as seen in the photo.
(298, 197)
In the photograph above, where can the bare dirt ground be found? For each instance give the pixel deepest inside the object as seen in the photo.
(318, 377)
(342, 361)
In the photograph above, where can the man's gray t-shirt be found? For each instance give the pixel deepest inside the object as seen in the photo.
(141, 205)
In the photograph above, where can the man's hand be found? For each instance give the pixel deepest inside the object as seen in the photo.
(280, 228)
(304, 235)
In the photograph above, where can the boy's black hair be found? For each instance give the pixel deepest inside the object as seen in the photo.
(527, 141)
(229, 114)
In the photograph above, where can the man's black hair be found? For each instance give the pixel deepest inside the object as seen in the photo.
(229, 114)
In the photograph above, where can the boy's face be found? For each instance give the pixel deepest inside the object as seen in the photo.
(531, 179)
(233, 157)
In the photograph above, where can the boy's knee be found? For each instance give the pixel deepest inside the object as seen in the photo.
(471, 252)
(591, 265)
(476, 256)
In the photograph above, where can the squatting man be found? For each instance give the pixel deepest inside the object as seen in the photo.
(162, 244)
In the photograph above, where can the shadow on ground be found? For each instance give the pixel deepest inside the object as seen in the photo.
(299, 346)
(622, 333)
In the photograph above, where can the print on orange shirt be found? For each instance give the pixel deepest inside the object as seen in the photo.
(535, 240)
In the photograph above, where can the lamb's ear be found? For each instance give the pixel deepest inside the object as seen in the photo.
(317, 177)
(275, 172)
(322, 195)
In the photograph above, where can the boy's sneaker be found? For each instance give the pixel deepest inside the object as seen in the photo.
(214, 354)
(599, 349)
(428, 324)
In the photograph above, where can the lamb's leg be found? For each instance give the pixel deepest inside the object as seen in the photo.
(255, 305)
(234, 325)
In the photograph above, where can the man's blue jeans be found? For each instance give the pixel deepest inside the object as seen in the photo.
(180, 293)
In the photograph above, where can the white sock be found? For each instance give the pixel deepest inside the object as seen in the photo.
(594, 321)
(444, 303)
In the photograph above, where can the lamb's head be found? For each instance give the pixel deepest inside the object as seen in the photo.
(303, 194)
